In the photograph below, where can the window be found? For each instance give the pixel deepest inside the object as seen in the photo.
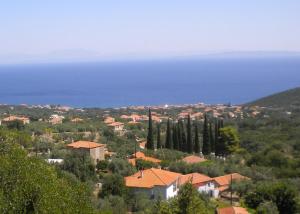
(174, 186)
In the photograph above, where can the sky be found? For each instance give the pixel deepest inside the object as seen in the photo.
(36, 30)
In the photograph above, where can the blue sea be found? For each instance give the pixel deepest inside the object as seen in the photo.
(148, 82)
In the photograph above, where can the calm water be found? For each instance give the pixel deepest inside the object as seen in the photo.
(109, 84)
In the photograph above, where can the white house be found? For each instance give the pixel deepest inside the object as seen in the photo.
(202, 183)
(117, 126)
(155, 183)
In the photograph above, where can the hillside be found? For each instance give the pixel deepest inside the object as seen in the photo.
(285, 99)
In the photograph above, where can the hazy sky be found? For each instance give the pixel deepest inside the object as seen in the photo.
(121, 28)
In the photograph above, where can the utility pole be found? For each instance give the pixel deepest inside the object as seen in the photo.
(231, 190)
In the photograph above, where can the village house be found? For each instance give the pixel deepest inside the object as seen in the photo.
(198, 115)
(223, 182)
(77, 120)
(232, 210)
(193, 159)
(23, 120)
(116, 126)
(156, 183)
(125, 117)
(142, 156)
(56, 119)
(95, 150)
(202, 183)
(142, 144)
(109, 120)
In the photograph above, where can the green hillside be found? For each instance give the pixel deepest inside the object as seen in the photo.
(285, 99)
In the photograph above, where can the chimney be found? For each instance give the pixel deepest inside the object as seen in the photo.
(142, 174)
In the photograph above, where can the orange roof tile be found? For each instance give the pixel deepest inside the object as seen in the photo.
(232, 210)
(142, 156)
(151, 177)
(85, 145)
(226, 179)
(139, 155)
(115, 124)
(193, 159)
(195, 178)
(12, 118)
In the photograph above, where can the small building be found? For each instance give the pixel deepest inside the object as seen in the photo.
(192, 159)
(156, 183)
(23, 120)
(77, 120)
(56, 119)
(55, 161)
(117, 126)
(109, 120)
(142, 144)
(202, 183)
(223, 182)
(142, 156)
(95, 150)
(232, 210)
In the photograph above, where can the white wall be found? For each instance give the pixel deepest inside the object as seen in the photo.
(209, 188)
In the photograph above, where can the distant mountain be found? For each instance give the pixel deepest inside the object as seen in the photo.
(285, 99)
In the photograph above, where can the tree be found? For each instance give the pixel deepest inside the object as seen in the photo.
(113, 185)
(30, 185)
(80, 165)
(211, 138)
(183, 137)
(189, 135)
(217, 152)
(229, 140)
(168, 143)
(121, 167)
(175, 137)
(267, 207)
(179, 136)
(189, 202)
(197, 141)
(205, 144)
(16, 124)
(158, 141)
(150, 143)
(281, 194)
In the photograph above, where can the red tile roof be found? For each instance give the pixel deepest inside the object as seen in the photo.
(115, 124)
(142, 156)
(151, 177)
(85, 145)
(232, 210)
(226, 179)
(195, 179)
(13, 118)
(193, 159)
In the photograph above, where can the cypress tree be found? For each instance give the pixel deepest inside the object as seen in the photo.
(221, 124)
(158, 142)
(175, 137)
(168, 143)
(183, 137)
(197, 141)
(189, 135)
(205, 145)
(216, 137)
(150, 143)
(179, 136)
(211, 138)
